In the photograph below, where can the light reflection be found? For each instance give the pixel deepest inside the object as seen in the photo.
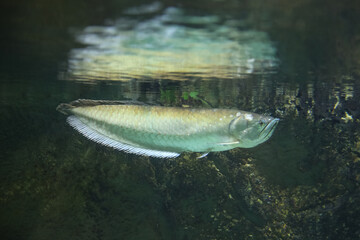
(171, 46)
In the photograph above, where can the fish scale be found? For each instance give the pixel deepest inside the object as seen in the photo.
(166, 131)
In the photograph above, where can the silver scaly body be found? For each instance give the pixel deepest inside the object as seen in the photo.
(167, 131)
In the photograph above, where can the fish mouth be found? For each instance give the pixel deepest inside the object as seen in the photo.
(267, 131)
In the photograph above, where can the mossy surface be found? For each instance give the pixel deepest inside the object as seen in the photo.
(60, 185)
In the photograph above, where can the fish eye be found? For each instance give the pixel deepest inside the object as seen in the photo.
(262, 122)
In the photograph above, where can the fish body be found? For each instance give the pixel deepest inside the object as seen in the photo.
(167, 131)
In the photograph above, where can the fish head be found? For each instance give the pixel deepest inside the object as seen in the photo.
(252, 129)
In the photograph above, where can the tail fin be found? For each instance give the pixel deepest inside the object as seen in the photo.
(64, 108)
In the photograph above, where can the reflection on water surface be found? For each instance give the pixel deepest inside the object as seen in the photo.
(173, 46)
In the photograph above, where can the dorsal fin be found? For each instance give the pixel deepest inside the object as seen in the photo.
(66, 107)
(89, 102)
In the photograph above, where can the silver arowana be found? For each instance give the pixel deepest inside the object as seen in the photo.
(166, 132)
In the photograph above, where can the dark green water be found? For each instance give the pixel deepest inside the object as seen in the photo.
(295, 61)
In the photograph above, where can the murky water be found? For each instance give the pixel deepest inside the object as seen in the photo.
(275, 59)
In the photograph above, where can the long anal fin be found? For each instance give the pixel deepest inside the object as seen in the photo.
(97, 137)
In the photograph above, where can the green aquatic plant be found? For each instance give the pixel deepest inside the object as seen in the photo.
(168, 96)
(187, 95)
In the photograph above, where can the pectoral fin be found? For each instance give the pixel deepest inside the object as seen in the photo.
(203, 155)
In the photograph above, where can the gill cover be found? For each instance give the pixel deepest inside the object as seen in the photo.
(237, 125)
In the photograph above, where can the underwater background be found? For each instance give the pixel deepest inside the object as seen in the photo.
(295, 60)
